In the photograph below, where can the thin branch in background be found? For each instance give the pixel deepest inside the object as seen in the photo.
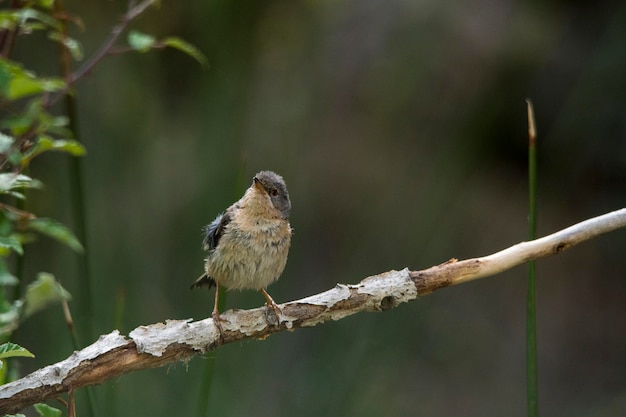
(8, 36)
(70, 323)
(134, 11)
(22, 214)
(71, 409)
(532, 394)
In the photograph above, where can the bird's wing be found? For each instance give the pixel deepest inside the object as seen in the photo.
(215, 230)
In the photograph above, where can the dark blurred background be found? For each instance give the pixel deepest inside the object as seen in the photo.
(401, 130)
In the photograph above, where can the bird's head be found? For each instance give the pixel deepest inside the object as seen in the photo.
(274, 187)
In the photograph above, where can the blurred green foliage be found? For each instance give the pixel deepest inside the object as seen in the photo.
(400, 128)
(28, 130)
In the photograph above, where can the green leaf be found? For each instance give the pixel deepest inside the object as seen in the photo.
(70, 43)
(8, 151)
(41, 293)
(140, 41)
(45, 410)
(19, 124)
(6, 278)
(8, 19)
(189, 49)
(24, 86)
(56, 230)
(46, 4)
(5, 73)
(10, 181)
(46, 143)
(36, 120)
(5, 142)
(16, 82)
(59, 121)
(11, 350)
(23, 122)
(32, 14)
(6, 223)
(70, 146)
(9, 242)
(10, 316)
(19, 196)
(29, 27)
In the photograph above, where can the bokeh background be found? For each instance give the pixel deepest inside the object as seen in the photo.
(400, 127)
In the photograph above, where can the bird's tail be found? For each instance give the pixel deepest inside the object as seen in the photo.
(204, 280)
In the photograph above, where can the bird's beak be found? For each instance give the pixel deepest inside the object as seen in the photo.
(257, 184)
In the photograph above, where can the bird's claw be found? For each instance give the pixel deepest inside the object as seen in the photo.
(217, 320)
(277, 312)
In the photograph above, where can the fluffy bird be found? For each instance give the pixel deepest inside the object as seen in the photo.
(248, 244)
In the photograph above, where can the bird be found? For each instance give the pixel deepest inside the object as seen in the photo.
(248, 244)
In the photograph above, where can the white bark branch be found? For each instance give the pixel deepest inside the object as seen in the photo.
(161, 343)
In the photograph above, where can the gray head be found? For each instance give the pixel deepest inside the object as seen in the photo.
(276, 189)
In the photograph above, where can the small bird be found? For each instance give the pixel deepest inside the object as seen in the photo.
(248, 244)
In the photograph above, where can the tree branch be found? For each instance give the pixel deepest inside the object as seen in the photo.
(134, 11)
(162, 343)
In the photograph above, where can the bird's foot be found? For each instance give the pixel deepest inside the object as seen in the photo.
(217, 320)
(273, 319)
(270, 303)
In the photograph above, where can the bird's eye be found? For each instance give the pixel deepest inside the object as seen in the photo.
(274, 192)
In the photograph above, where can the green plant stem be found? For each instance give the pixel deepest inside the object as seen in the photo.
(209, 371)
(85, 297)
(77, 199)
(80, 221)
(20, 204)
(531, 304)
(205, 386)
(85, 300)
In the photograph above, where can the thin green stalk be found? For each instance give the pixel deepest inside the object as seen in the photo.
(20, 265)
(70, 324)
(531, 307)
(110, 393)
(207, 377)
(77, 199)
(20, 268)
(205, 386)
(85, 299)
(91, 400)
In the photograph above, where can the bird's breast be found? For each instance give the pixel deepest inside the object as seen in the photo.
(251, 254)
